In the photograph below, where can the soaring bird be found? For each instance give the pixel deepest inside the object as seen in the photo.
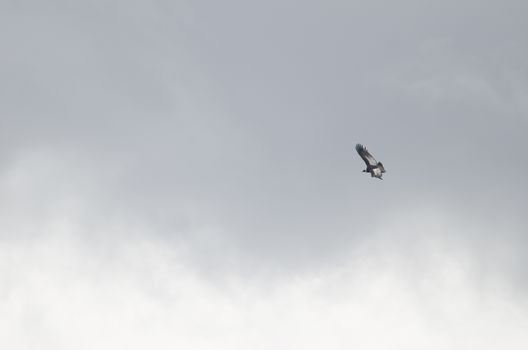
(374, 167)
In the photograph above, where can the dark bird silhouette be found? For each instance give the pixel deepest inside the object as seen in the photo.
(374, 167)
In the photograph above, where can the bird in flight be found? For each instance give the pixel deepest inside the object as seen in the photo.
(374, 167)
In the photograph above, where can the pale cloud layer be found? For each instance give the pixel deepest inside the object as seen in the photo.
(183, 174)
(141, 292)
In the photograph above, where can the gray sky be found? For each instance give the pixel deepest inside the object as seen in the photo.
(184, 174)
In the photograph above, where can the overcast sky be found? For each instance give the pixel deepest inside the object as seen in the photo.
(182, 174)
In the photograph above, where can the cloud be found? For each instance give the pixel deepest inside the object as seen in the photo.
(134, 292)
(419, 279)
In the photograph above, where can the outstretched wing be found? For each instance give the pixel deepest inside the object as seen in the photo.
(382, 168)
(365, 155)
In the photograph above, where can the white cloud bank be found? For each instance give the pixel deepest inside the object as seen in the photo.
(64, 290)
